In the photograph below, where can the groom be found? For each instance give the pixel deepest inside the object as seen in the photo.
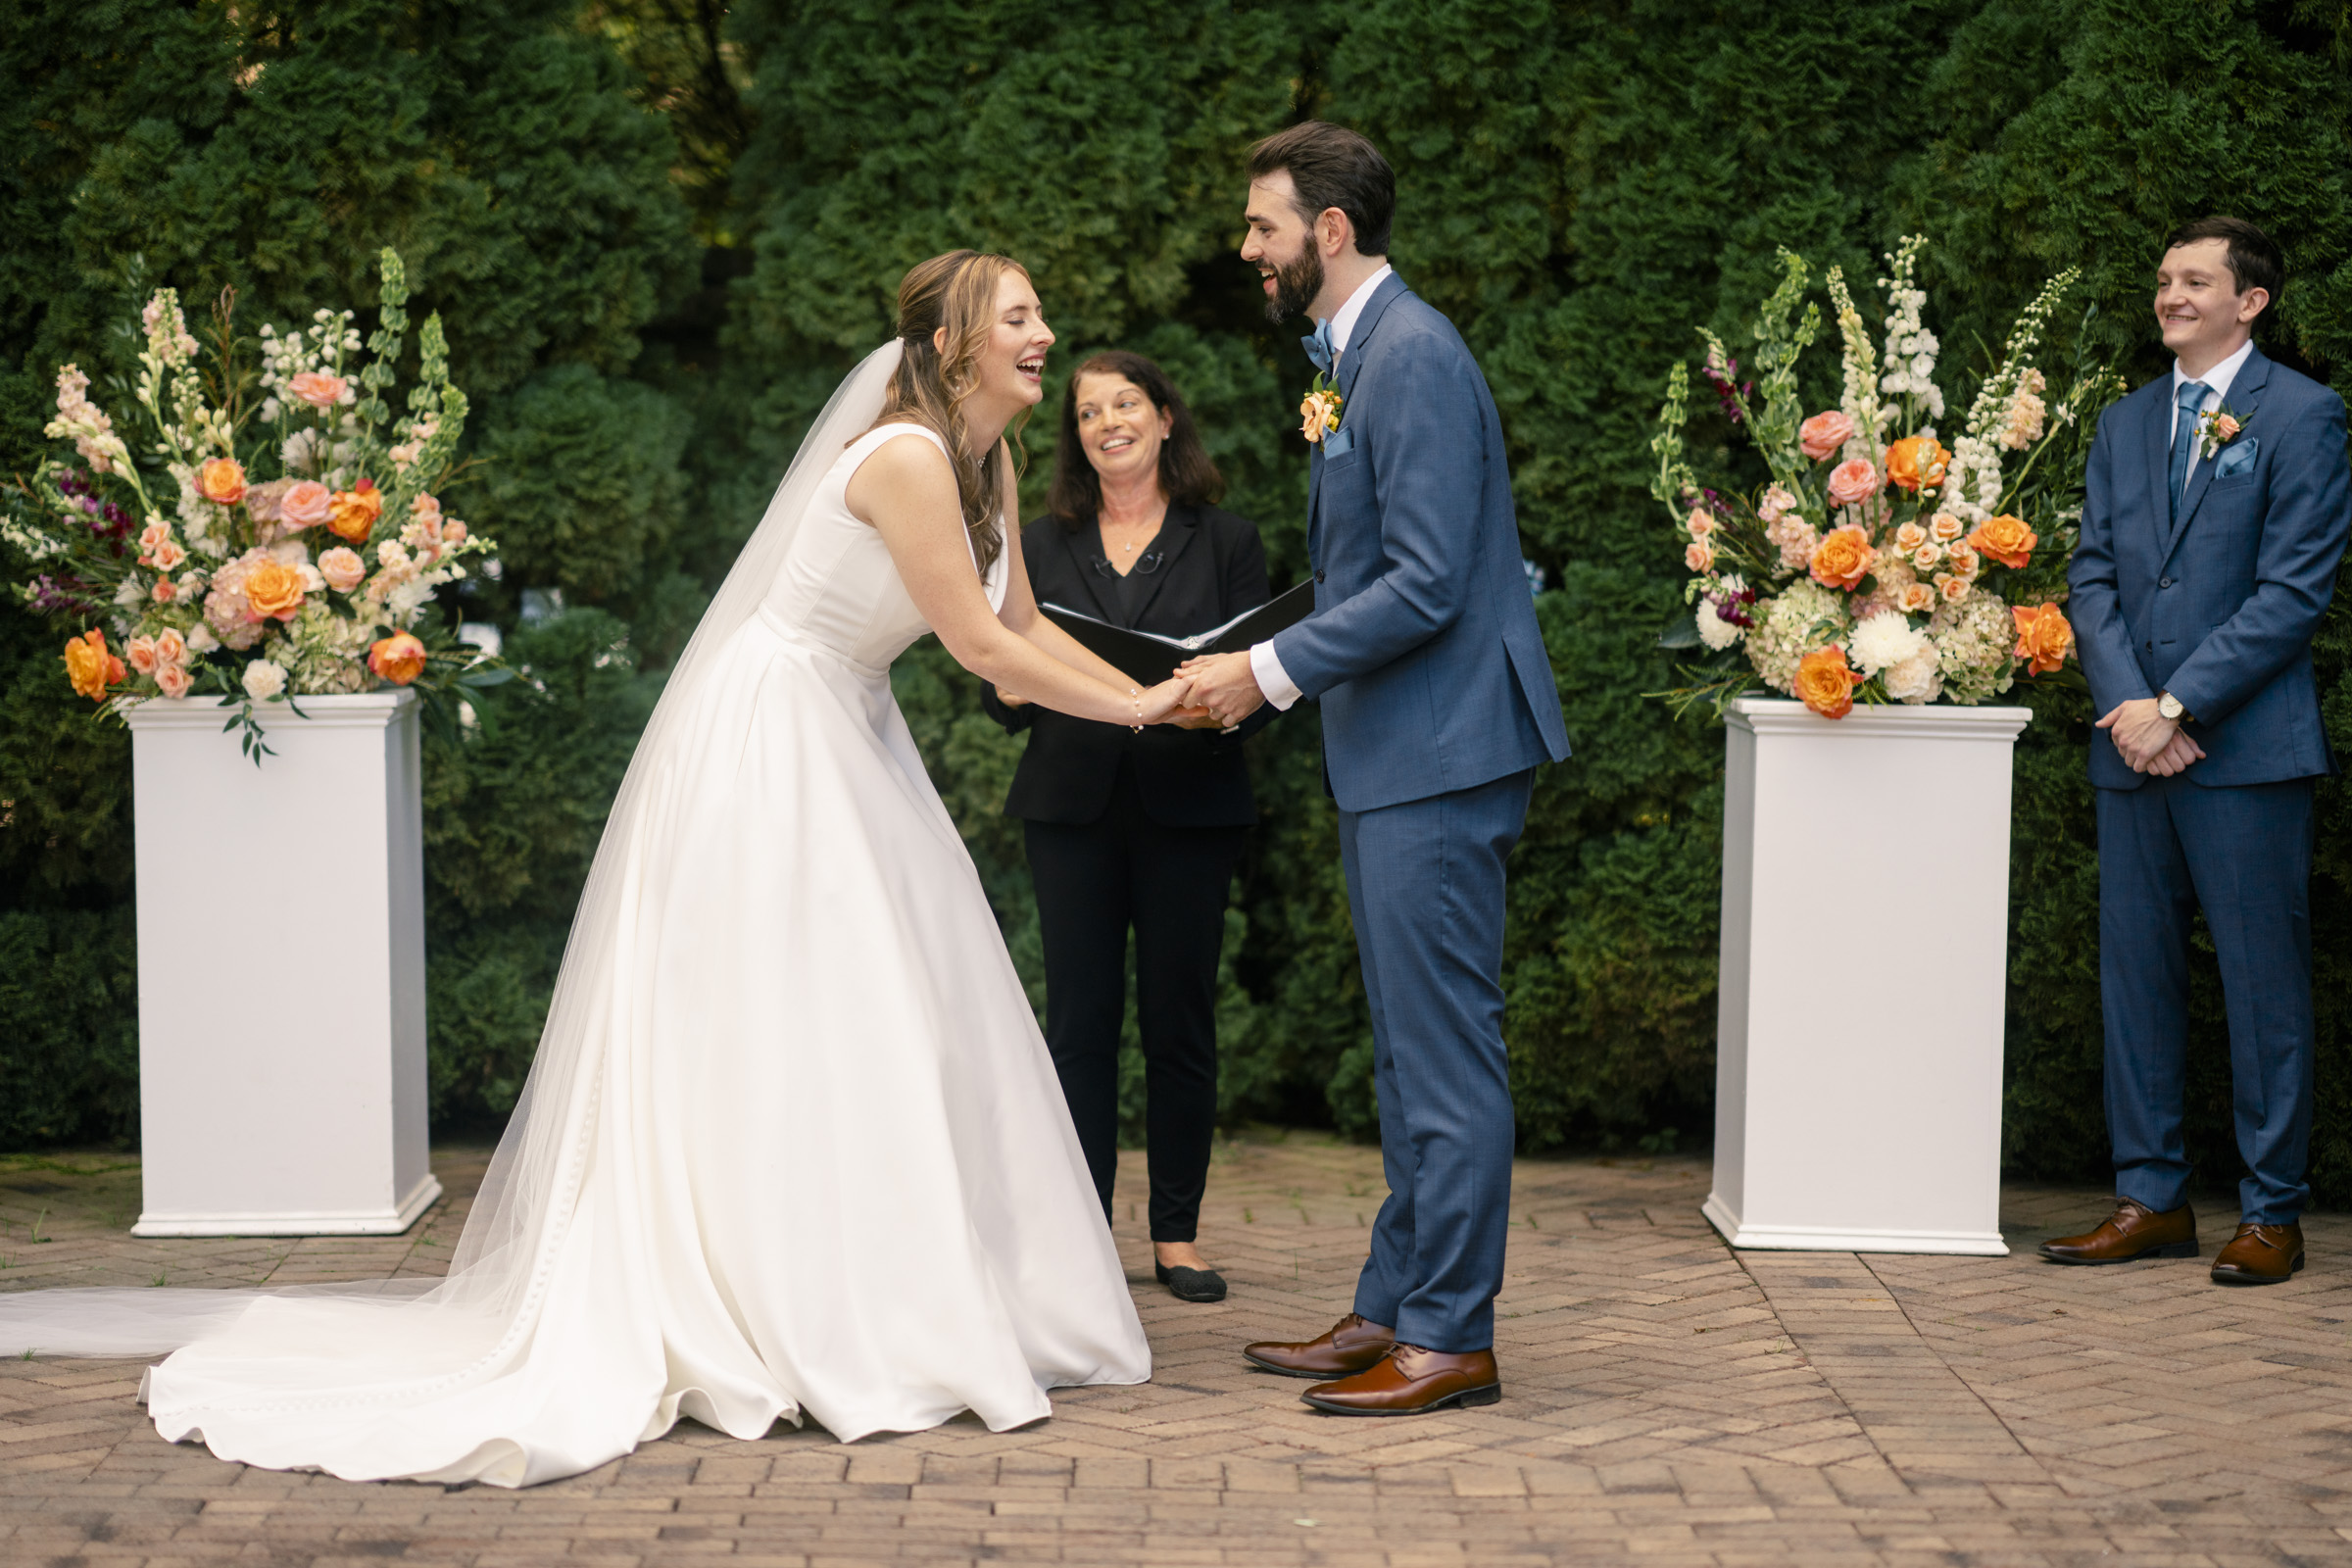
(1438, 703)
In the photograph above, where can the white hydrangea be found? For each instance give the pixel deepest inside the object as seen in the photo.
(1885, 639)
(1973, 640)
(1805, 616)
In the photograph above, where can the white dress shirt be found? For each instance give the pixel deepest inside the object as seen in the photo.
(2217, 391)
(1272, 679)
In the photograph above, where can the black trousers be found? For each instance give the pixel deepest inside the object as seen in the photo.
(1171, 885)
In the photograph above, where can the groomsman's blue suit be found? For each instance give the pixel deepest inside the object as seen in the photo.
(2214, 599)
(1438, 703)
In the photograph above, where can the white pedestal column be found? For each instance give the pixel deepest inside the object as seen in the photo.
(281, 970)
(1865, 953)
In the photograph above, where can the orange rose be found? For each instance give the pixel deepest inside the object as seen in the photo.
(274, 588)
(90, 668)
(356, 510)
(2043, 638)
(1824, 684)
(398, 658)
(1843, 558)
(2005, 539)
(222, 479)
(1917, 462)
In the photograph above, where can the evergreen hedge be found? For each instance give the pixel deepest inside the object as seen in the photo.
(658, 246)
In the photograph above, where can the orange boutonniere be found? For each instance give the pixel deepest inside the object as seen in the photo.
(1319, 412)
(2219, 429)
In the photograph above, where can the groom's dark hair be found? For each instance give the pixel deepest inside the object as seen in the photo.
(2254, 259)
(1331, 166)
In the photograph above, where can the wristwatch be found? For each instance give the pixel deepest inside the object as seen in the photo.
(2170, 707)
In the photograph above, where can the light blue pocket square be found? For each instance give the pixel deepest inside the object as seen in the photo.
(2236, 458)
(1341, 440)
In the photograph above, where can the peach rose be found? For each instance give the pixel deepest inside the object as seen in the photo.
(1916, 599)
(168, 555)
(1852, 482)
(1926, 557)
(1843, 558)
(2004, 539)
(222, 480)
(164, 591)
(1917, 462)
(319, 389)
(1964, 560)
(1700, 522)
(143, 654)
(342, 569)
(1824, 684)
(306, 504)
(1944, 527)
(1824, 433)
(1953, 589)
(2043, 638)
(274, 588)
(170, 648)
(1697, 555)
(1909, 537)
(398, 658)
(90, 668)
(356, 510)
(173, 680)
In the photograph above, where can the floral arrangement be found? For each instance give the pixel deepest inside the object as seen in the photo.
(259, 548)
(1877, 563)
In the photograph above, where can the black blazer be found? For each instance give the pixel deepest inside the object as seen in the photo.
(1213, 568)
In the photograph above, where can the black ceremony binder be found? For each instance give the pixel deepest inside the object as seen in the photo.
(1148, 658)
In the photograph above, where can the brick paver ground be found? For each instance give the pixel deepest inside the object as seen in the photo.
(1668, 1402)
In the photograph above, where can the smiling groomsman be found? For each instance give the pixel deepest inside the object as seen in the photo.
(2216, 513)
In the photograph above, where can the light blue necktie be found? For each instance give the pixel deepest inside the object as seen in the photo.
(2191, 400)
(1319, 346)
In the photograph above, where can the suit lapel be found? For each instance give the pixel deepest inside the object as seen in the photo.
(1178, 531)
(1352, 360)
(2244, 394)
(1082, 566)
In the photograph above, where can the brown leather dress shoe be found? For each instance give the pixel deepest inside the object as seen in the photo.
(1411, 1381)
(2133, 1231)
(1351, 1345)
(2260, 1254)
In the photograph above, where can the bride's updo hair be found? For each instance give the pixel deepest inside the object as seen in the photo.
(957, 291)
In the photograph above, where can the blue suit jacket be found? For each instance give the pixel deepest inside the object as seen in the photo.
(1423, 649)
(2219, 607)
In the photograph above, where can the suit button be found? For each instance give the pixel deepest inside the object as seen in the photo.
(2164, 582)
(1318, 576)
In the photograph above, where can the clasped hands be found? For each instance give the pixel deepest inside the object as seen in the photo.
(2147, 741)
(1217, 690)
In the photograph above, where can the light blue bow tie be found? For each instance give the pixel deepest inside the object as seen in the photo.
(1319, 346)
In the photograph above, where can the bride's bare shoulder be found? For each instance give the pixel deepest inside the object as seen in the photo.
(907, 470)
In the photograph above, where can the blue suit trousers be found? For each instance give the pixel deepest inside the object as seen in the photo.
(2244, 853)
(1425, 886)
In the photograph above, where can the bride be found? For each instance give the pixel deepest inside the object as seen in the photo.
(792, 1145)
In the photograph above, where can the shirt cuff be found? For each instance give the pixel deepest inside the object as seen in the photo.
(1272, 679)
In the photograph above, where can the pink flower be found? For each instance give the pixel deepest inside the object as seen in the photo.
(1852, 482)
(306, 504)
(1698, 558)
(1824, 433)
(163, 593)
(453, 532)
(170, 648)
(319, 389)
(1797, 538)
(1700, 523)
(342, 569)
(1775, 503)
(173, 680)
(261, 499)
(141, 654)
(168, 555)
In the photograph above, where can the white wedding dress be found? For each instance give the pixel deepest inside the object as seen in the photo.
(793, 1144)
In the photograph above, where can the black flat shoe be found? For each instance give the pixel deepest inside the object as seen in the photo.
(1192, 1284)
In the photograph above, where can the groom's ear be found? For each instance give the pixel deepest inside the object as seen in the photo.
(1335, 234)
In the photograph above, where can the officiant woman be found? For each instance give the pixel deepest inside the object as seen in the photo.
(1129, 830)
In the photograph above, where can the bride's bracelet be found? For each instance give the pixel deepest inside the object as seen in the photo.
(1138, 725)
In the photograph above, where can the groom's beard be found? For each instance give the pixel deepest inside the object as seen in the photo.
(1296, 287)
